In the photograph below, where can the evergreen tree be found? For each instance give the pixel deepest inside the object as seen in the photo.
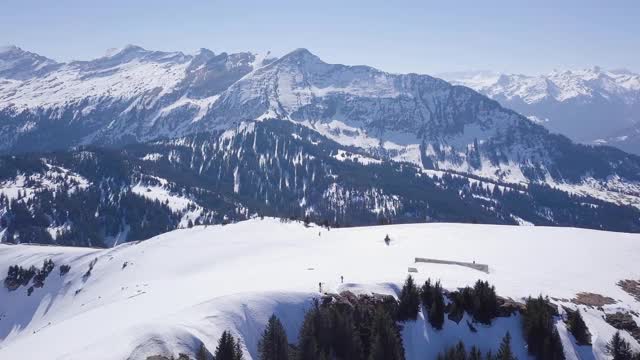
(504, 352)
(237, 353)
(553, 349)
(540, 332)
(436, 313)
(202, 353)
(346, 343)
(228, 348)
(426, 294)
(308, 348)
(619, 348)
(386, 343)
(458, 352)
(409, 301)
(485, 302)
(330, 331)
(475, 353)
(578, 328)
(274, 344)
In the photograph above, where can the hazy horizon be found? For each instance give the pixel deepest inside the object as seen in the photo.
(420, 37)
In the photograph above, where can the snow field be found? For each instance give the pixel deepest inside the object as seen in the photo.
(189, 285)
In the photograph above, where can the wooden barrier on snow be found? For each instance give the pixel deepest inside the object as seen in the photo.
(480, 267)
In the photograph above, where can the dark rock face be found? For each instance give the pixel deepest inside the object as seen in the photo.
(632, 287)
(624, 321)
(508, 307)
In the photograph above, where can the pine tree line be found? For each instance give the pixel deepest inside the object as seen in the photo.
(363, 329)
(368, 328)
(459, 352)
(18, 276)
(479, 301)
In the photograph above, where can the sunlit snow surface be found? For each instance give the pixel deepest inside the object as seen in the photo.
(192, 284)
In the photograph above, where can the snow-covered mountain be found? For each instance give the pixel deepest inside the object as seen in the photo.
(18, 64)
(181, 289)
(591, 106)
(131, 94)
(139, 95)
(135, 95)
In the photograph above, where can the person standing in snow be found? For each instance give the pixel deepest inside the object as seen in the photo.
(341, 279)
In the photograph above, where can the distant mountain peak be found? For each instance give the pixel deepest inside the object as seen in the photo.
(301, 54)
(15, 52)
(112, 51)
(205, 52)
(127, 49)
(9, 48)
(586, 104)
(16, 63)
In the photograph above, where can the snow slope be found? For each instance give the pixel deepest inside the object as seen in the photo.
(167, 294)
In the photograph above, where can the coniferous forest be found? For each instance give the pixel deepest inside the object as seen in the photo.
(86, 197)
(369, 327)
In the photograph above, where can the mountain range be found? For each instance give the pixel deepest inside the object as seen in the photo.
(594, 106)
(213, 138)
(254, 182)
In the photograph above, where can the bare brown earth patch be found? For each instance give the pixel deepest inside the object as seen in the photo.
(631, 287)
(591, 299)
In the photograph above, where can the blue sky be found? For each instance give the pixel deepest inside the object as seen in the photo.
(399, 36)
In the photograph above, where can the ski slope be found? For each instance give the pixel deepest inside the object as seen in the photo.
(189, 285)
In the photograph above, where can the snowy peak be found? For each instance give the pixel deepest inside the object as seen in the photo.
(8, 48)
(134, 53)
(592, 106)
(16, 63)
(300, 56)
(557, 85)
(127, 49)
